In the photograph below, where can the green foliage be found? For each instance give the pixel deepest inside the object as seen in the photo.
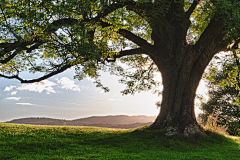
(46, 36)
(57, 43)
(223, 95)
(139, 77)
(18, 141)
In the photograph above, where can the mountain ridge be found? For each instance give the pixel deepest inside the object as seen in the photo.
(111, 121)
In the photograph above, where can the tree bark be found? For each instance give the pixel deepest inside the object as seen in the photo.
(180, 79)
(177, 109)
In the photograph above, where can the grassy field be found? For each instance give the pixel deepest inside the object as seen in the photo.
(53, 142)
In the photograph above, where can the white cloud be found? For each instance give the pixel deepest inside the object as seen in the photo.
(9, 88)
(28, 104)
(14, 92)
(13, 98)
(99, 90)
(90, 79)
(39, 87)
(68, 84)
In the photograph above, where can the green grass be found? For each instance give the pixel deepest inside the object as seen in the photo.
(54, 142)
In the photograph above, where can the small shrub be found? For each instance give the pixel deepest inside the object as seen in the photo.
(212, 125)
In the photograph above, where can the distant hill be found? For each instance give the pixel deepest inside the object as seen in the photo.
(118, 121)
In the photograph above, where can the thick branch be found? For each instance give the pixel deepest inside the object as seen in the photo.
(137, 40)
(214, 33)
(126, 53)
(8, 47)
(191, 9)
(54, 26)
(130, 52)
(9, 58)
(107, 9)
(11, 46)
(38, 79)
(142, 9)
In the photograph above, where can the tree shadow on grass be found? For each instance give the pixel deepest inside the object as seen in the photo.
(155, 143)
(100, 143)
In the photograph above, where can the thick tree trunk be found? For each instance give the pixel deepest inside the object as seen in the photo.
(180, 82)
(177, 113)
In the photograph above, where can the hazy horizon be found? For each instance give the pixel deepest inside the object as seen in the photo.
(78, 118)
(63, 97)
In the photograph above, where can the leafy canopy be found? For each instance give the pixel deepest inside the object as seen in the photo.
(51, 36)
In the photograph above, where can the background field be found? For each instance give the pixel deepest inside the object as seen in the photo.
(20, 141)
(116, 121)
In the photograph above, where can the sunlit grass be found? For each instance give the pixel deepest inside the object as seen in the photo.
(18, 141)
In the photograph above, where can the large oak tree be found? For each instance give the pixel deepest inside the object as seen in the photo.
(177, 38)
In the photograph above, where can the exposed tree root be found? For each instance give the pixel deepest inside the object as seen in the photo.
(172, 130)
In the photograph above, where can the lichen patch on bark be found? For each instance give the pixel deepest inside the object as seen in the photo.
(171, 131)
(191, 129)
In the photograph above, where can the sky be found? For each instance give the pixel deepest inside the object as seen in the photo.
(64, 97)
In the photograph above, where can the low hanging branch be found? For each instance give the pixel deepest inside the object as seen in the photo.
(37, 40)
(126, 53)
(38, 79)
